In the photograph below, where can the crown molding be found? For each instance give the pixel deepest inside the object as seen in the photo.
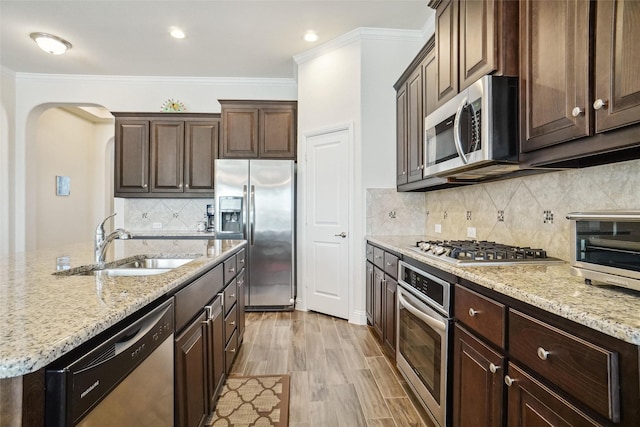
(356, 35)
(202, 81)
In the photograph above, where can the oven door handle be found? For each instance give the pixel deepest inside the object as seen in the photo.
(434, 323)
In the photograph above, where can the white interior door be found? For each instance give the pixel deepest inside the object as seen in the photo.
(326, 225)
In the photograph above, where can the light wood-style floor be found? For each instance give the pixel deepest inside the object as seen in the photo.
(339, 374)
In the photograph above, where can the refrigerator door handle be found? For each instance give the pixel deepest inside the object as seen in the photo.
(252, 224)
(245, 232)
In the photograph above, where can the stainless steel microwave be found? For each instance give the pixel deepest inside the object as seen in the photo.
(606, 247)
(475, 134)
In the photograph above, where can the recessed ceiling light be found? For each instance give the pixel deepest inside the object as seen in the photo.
(177, 33)
(50, 43)
(310, 36)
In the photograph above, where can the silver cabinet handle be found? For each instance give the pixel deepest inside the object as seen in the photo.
(232, 296)
(144, 185)
(493, 368)
(241, 261)
(233, 350)
(232, 270)
(473, 312)
(542, 353)
(508, 380)
(599, 103)
(233, 323)
(577, 111)
(187, 185)
(343, 235)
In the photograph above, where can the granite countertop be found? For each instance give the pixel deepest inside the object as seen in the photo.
(44, 316)
(610, 310)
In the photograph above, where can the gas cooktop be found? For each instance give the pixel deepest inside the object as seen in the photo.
(467, 253)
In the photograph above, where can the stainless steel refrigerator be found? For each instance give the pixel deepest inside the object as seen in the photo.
(255, 201)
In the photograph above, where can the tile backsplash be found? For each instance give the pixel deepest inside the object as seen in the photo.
(171, 214)
(525, 211)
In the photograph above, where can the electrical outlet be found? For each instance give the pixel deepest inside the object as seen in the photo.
(471, 232)
(156, 225)
(438, 228)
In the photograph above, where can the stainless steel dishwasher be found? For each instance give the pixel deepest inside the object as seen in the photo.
(125, 380)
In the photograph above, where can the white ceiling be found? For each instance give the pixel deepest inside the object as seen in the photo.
(225, 38)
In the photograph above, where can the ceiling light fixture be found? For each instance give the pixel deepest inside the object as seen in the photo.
(310, 36)
(50, 43)
(177, 33)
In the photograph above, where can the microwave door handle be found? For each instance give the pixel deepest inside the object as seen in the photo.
(456, 131)
(434, 323)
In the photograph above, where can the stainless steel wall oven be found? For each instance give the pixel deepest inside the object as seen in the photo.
(424, 325)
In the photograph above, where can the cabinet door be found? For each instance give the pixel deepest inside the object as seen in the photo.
(415, 121)
(530, 403)
(167, 156)
(131, 156)
(430, 84)
(617, 80)
(390, 289)
(277, 133)
(378, 285)
(240, 305)
(201, 151)
(215, 351)
(191, 388)
(239, 133)
(401, 136)
(447, 50)
(369, 291)
(554, 72)
(477, 382)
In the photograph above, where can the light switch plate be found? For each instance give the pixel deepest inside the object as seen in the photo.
(156, 225)
(438, 228)
(471, 232)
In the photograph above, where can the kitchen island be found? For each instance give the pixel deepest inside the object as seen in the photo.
(45, 315)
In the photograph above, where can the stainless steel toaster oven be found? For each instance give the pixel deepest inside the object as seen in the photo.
(606, 247)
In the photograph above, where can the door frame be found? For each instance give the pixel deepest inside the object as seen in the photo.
(301, 301)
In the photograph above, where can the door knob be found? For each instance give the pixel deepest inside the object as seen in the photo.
(343, 235)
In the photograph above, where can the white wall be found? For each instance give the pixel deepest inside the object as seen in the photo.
(7, 114)
(350, 81)
(36, 93)
(66, 145)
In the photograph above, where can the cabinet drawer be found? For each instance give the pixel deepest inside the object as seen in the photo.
(369, 252)
(584, 370)
(391, 265)
(481, 314)
(191, 298)
(378, 257)
(230, 352)
(230, 322)
(240, 260)
(230, 269)
(230, 295)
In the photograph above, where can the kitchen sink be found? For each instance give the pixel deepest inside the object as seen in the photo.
(138, 267)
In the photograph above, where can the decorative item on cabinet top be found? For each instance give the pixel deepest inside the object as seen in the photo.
(172, 106)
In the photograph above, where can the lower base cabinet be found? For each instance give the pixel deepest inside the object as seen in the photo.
(531, 403)
(477, 378)
(190, 375)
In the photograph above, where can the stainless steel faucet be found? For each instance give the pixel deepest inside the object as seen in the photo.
(102, 242)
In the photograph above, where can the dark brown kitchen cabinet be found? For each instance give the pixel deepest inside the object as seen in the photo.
(515, 361)
(258, 129)
(532, 403)
(190, 375)
(579, 85)
(473, 38)
(215, 347)
(477, 382)
(410, 113)
(131, 157)
(381, 291)
(165, 155)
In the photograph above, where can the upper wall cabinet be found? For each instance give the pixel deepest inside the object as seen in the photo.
(473, 38)
(165, 154)
(412, 105)
(258, 129)
(579, 77)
